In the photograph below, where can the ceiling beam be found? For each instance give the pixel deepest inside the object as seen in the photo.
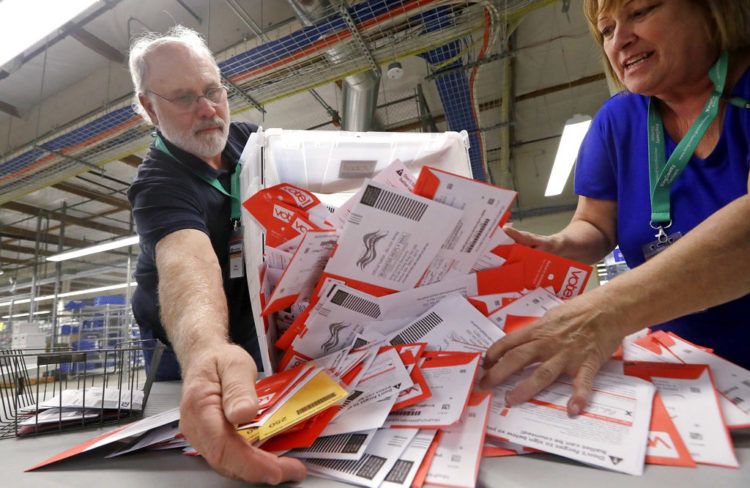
(563, 86)
(9, 109)
(94, 43)
(5, 260)
(23, 249)
(30, 235)
(490, 104)
(82, 191)
(68, 219)
(132, 160)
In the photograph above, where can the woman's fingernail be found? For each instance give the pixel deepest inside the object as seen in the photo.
(574, 409)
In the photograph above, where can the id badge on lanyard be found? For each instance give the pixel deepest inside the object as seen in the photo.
(235, 256)
(661, 243)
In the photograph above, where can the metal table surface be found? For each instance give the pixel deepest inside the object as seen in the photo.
(172, 469)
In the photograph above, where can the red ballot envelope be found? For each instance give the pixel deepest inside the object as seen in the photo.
(708, 439)
(285, 211)
(541, 269)
(517, 322)
(665, 445)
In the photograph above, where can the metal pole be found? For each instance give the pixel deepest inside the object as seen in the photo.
(10, 315)
(35, 269)
(58, 274)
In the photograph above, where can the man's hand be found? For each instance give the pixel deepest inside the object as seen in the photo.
(574, 338)
(218, 394)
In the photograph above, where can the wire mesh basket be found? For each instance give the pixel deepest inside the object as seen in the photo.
(42, 392)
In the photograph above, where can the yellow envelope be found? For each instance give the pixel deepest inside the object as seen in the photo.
(316, 395)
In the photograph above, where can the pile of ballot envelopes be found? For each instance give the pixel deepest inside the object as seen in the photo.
(383, 308)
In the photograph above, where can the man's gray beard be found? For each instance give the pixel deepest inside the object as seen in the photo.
(205, 146)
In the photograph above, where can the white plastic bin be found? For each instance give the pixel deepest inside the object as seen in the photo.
(329, 163)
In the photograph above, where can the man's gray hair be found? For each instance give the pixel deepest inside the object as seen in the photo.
(146, 43)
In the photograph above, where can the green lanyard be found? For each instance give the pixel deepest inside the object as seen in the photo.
(662, 174)
(235, 189)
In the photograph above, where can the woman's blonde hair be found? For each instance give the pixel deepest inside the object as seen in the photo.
(728, 23)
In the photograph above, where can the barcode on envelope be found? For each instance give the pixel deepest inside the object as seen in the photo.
(392, 202)
(342, 443)
(356, 394)
(314, 404)
(399, 471)
(367, 467)
(407, 413)
(478, 233)
(418, 329)
(355, 303)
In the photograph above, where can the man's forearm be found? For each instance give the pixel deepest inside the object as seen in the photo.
(191, 294)
(707, 267)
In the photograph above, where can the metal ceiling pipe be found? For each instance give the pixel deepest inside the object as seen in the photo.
(360, 91)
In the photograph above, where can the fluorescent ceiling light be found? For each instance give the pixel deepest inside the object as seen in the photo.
(107, 246)
(572, 137)
(87, 291)
(25, 22)
(24, 314)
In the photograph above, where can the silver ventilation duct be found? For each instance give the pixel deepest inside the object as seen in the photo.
(360, 90)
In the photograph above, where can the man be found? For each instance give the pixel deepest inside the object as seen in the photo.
(189, 294)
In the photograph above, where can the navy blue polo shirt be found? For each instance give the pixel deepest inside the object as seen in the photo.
(167, 196)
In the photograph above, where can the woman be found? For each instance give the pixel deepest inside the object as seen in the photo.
(664, 167)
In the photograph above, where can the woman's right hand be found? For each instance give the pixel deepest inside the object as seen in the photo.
(576, 338)
(534, 241)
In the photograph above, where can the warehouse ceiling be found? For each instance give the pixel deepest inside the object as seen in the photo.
(78, 74)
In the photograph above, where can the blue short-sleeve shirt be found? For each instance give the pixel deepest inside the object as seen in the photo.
(613, 165)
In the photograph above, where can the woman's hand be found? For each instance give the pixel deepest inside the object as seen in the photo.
(535, 241)
(575, 338)
(218, 394)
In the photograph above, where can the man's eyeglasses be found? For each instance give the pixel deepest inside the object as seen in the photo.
(189, 101)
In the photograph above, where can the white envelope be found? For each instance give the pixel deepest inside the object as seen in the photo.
(535, 303)
(348, 447)
(395, 175)
(96, 397)
(611, 433)
(155, 436)
(303, 271)
(450, 377)
(732, 381)
(390, 238)
(453, 319)
(55, 415)
(276, 258)
(456, 461)
(482, 204)
(693, 406)
(380, 456)
(335, 321)
(403, 472)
